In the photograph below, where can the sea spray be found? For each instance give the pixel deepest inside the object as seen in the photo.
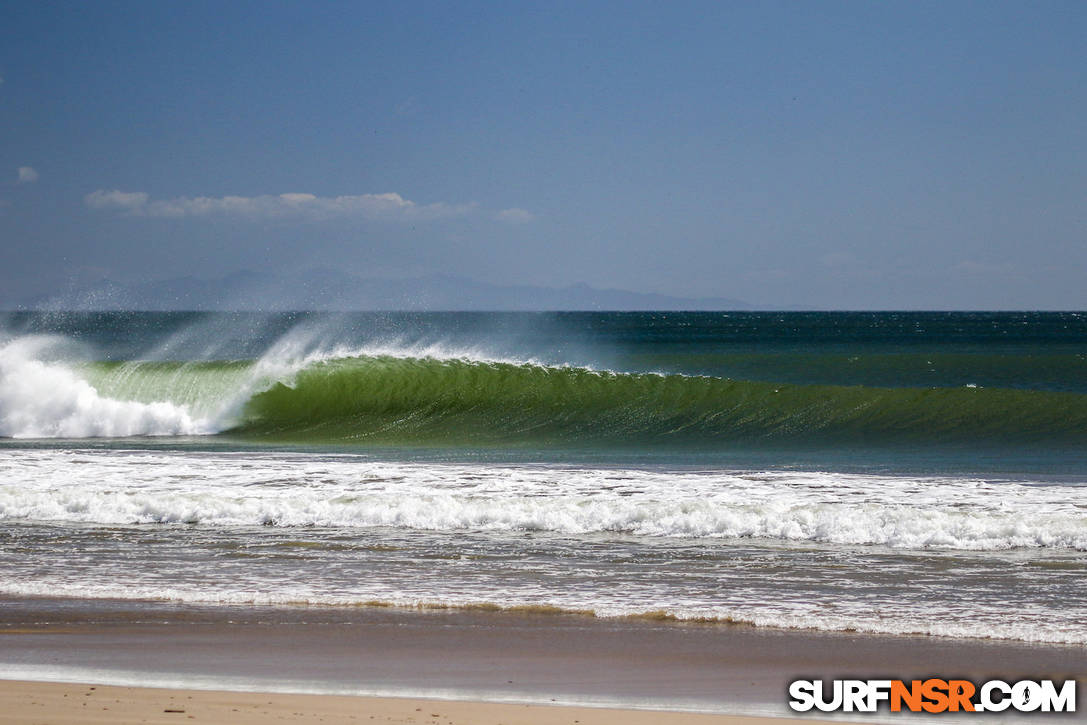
(48, 391)
(40, 399)
(393, 393)
(824, 470)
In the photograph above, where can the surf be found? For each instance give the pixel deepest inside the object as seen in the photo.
(454, 401)
(40, 398)
(387, 395)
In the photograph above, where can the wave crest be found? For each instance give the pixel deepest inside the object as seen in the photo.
(391, 396)
(457, 401)
(41, 399)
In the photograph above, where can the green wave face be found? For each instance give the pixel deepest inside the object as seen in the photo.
(388, 400)
(204, 388)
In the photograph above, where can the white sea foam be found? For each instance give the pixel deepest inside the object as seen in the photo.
(40, 398)
(231, 490)
(819, 550)
(45, 395)
(983, 622)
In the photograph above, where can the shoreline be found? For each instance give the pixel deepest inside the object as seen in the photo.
(27, 702)
(506, 659)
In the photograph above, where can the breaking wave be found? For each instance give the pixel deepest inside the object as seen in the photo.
(434, 397)
(231, 492)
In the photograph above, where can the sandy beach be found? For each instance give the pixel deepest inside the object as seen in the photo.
(520, 363)
(27, 703)
(139, 661)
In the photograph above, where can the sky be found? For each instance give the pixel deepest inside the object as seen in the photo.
(830, 155)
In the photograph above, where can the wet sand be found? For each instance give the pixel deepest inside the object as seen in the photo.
(506, 659)
(26, 703)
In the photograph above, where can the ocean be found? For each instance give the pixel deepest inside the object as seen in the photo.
(897, 473)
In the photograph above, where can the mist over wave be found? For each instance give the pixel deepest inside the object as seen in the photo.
(891, 472)
(55, 387)
(323, 381)
(48, 399)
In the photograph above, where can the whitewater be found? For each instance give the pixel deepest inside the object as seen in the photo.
(896, 473)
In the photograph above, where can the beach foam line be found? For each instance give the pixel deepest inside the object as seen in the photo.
(225, 492)
(926, 626)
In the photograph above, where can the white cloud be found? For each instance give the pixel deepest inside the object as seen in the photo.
(515, 216)
(368, 206)
(27, 175)
(129, 201)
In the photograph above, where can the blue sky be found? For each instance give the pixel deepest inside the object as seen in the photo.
(830, 155)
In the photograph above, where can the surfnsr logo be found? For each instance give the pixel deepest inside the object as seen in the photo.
(933, 695)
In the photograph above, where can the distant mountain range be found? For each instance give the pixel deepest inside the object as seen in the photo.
(333, 290)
